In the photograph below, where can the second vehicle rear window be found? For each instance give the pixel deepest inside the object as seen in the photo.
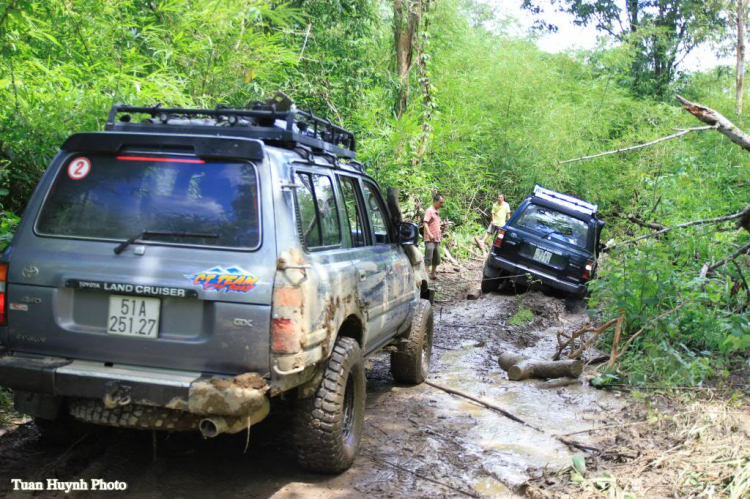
(115, 198)
(554, 225)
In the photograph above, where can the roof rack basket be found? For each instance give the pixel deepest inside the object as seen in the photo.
(573, 203)
(263, 122)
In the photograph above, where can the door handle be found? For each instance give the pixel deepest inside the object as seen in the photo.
(362, 275)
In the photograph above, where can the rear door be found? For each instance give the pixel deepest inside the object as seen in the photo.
(400, 285)
(370, 257)
(195, 295)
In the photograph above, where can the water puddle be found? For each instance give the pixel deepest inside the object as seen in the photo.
(510, 452)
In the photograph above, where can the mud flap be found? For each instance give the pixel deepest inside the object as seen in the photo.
(37, 404)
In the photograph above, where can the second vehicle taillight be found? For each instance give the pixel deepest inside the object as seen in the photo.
(3, 284)
(499, 238)
(588, 270)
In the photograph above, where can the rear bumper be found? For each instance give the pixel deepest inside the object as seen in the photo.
(243, 396)
(522, 271)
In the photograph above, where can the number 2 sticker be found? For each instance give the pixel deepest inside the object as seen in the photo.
(79, 168)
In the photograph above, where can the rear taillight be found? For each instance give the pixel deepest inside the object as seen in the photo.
(588, 270)
(3, 284)
(499, 238)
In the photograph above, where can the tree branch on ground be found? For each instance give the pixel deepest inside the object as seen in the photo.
(707, 269)
(640, 146)
(648, 225)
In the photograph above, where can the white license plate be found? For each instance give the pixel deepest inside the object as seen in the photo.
(133, 316)
(542, 256)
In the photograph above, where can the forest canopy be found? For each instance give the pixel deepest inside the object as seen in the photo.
(476, 111)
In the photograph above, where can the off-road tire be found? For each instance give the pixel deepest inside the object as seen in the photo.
(491, 281)
(132, 416)
(490, 284)
(411, 364)
(64, 430)
(328, 426)
(574, 303)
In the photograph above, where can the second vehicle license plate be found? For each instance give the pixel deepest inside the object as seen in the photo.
(542, 256)
(133, 316)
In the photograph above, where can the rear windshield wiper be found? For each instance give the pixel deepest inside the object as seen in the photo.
(142, 235)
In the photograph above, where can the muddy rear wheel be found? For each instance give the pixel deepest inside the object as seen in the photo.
(492, 279)
(328, 426)
(411, 364)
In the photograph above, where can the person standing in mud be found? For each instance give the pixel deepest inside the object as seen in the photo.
(431, 224)
(500, 215)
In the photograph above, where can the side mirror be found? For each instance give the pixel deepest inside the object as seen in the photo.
(599, 247)
(408, 234)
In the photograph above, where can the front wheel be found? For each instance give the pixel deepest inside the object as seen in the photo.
(328, 426)
(411, 364)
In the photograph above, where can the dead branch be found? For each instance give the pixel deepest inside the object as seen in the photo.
(485, 403)
(740, 214)
(579, 334)
(512, 417)
(615, 342)
(640, 146)
(707, 269)
(716, 120)
(648, 225)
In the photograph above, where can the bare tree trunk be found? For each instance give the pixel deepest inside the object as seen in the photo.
(407, 15)
(740, 54)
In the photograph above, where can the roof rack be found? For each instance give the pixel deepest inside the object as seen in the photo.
(564, 199)
(263, 122)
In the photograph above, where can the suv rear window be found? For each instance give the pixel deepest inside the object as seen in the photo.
(555, 225)
(116, 198)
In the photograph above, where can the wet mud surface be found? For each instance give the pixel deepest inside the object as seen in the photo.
(418, 441)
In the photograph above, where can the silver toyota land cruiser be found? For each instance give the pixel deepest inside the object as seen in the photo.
(184, 268)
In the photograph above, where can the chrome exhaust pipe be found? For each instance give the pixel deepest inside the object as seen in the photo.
(213, 427)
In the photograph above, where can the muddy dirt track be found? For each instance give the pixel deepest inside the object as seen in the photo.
(418, 441)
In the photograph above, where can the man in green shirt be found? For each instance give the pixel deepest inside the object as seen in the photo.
(500, 215)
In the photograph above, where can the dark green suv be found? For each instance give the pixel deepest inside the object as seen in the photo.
(552, 240)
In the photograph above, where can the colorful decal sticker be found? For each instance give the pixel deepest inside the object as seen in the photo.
(20, 307)
(232, 279)
(79, 168)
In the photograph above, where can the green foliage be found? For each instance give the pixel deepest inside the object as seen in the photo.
(657, 34)
(646, 285)
(522, 316)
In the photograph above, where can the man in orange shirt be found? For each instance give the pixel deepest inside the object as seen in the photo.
(432, 234)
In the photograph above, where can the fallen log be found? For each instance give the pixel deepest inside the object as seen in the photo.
(520, 368)
(508, 359)
(545, 369)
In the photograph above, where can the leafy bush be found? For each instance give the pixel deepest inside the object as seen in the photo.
(688, 322)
